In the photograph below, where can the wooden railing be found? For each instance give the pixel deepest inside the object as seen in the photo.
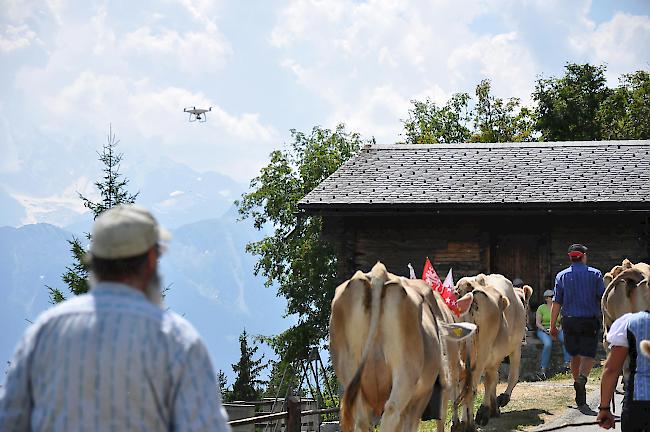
(292, 416)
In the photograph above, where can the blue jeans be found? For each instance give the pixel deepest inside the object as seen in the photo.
(548, 342)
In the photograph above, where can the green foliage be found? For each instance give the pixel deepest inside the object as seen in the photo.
(247, 385)
(496, 120)
(428, 124)
(222, 383)
(112, 190)
(625, 114)
(295, 258)
(284, 380)
(576, 106)
(112, 187)
(567, 107)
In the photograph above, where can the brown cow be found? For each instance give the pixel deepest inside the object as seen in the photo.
(624, 291)
(387, 348)
(499, 313)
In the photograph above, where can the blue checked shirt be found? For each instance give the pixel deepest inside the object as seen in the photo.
(111, 360)
(579, 289)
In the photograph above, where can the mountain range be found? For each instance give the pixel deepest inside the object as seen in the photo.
(209, 274)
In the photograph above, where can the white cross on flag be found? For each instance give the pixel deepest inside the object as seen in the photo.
(446, 288)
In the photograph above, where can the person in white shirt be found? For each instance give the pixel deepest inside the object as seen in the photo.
(625, 337)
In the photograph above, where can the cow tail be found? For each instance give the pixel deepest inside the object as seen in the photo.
(352, 390)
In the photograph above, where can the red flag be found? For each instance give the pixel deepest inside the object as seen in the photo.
(448, 293)
(430, 276)
(446, 289)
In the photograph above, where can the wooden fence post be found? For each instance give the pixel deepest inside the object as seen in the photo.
(293, 416)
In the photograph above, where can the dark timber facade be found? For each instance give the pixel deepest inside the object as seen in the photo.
(488, 208)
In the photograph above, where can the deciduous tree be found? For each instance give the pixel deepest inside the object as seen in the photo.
(625, 114)
(429, 124)
(567, 107)
(295, 258)
(496, 120)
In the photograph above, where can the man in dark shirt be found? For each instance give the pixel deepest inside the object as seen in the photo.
(578, 290)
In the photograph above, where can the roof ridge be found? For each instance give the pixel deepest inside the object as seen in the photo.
(529, 144)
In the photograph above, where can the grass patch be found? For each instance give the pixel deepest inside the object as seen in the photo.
(595, 374)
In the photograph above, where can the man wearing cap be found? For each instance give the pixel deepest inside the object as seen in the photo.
(578, 290)
(113, 359)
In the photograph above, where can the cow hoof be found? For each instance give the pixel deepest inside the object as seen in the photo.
(495, 412)
(482, 415)
(458, 427)
(463, 427)
(503, 399)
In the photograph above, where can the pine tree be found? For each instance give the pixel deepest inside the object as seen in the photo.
(222, 382)
(247, 386)
(112, 190)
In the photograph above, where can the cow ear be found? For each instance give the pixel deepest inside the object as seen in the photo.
(528, 292)
(465, 302)
(392, 279)
(458, 331)
(504, 303)
(627, 263)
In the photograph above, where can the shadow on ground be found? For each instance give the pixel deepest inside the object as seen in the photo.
(516, 420)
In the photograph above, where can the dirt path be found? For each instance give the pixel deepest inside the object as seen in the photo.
(532, 404)
(535, 403)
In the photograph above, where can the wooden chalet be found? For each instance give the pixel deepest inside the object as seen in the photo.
(508, 208)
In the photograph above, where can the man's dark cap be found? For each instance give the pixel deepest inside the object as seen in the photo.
(578, 248)
(517, 282)
(577, 251)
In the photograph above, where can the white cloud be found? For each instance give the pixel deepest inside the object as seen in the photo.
(140, 80)
(194, 52)
(369, 59)
(10, 161)
(501, 58)
(16, 38)
(623, 43)
(233, 144)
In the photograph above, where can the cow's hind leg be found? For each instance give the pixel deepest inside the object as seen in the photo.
(513, 376)
(404, 386)
(485, 411)
(467, 407)
(362, 416)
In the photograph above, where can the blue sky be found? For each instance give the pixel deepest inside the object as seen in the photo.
(71, 68)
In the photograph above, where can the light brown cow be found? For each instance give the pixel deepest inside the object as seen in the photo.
(499, 313)
(387, 349)
(624, 292)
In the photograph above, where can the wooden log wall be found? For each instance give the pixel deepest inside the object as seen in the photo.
(470, 244)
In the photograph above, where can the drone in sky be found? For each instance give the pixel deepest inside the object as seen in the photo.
(197, 114)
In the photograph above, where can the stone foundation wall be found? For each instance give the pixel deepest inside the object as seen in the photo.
(531, 355)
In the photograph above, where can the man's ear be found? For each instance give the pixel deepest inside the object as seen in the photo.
(152, 259)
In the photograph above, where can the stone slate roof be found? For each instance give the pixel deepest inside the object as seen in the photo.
(598, 174)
